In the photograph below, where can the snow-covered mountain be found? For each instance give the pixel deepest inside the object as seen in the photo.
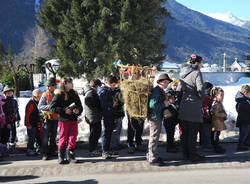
(230, 18)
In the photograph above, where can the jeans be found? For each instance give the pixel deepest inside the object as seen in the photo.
(189, 137)
(206, 134)
(49, 134)
(135, 129)
(13, 133)
(106, 136)
(115, 137)
(244, 137)
(32, 133)
(95, 133)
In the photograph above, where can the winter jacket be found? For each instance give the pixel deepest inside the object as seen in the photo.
(192, 93)
(243, 109)
(119, 111)
(44, 105)
(2, 115)
(92, 107)
(206, 105)
(32, 117)
(218, 116)
(107, 100)
(59, 105)
(10, 109)
(156, 104)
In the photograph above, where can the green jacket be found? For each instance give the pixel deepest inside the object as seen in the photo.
(156, 104)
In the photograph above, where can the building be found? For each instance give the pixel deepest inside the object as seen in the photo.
(238, 66)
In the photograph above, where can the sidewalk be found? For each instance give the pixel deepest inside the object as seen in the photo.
(22, 165)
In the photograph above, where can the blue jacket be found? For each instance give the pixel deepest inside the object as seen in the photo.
(156, 104)
(106, 101)
(243, 109)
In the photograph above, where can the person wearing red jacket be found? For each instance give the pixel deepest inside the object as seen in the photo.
(31, 121)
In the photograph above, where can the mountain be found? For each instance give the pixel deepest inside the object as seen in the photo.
(16, 18)
(230, 18)
(193, 32)
(188, 32)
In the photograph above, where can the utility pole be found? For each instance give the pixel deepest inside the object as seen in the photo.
(224, 62)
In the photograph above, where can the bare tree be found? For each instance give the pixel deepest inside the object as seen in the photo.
(36, 44)
(10, 60)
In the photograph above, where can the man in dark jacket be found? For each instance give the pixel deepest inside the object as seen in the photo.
(243, 119)
(93, 114)
(108, 106)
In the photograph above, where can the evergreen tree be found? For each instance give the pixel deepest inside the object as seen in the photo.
(84, 30)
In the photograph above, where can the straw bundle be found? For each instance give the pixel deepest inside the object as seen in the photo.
(135, 95)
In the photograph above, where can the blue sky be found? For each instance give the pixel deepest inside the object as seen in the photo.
(239, 8)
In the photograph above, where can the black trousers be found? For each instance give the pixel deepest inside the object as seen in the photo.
(95, 133)
(215, 138)
(169, 125)
(135, 130)
(49, 134)
(189, 137)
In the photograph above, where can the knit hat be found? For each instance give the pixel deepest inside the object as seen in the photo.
(36, 92)
(8, 88)
(163, 77)
(51, 82)
(207, 85)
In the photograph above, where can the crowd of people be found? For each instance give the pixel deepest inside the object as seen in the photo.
(193, 105)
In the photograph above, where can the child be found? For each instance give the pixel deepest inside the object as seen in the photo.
(67, 104)
(31, 121)
(170, 121)
(218, 117)
(10, 109)
(243, 119)
(206, 126)
(3, 148)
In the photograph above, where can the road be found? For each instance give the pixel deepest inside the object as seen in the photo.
(203, 176)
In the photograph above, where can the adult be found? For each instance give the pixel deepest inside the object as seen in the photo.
(50, 121)
(108, 106)
(67, 104)
(157, 103)
(93, 115)
(190, 112)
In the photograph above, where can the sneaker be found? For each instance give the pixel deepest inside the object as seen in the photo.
(242, 148)
(157, 162)
(12, 149)
(131, 150)
(106, 155)
(45, 157)
(4, 150)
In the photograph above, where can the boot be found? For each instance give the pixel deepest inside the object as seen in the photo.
(70, 154)
(61, 156)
